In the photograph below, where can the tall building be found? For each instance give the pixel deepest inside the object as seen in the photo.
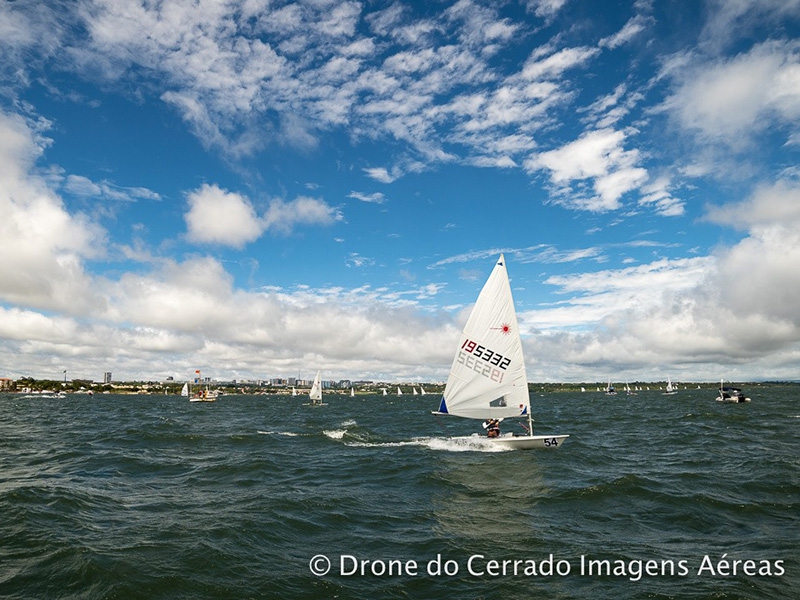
(107, 377)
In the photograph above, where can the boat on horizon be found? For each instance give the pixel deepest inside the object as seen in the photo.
(730, 394)
(315, 394)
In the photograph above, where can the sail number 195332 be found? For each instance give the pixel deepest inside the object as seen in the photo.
(482, 360)
(489, 356)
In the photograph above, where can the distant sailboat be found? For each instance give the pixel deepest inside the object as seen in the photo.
(315, 395)
(421, 391)
(185, 390)
(203, 394)
(670, 389)
(399, 392)
(384, 392)
(487, 379)
(352, 393)
(610, 391)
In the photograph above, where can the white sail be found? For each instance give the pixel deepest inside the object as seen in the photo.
(487, 378)
(399, 392)
(185, 390)
(352, 392)
(316, 390)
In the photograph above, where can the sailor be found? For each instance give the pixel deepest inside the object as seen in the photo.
(493, 428)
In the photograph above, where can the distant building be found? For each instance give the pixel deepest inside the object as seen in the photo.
(107, 377)
(6, 383)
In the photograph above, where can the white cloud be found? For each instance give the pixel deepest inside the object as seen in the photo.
(42, 246)
(597, 156)
(631, 29)
(734, 312)
(83, 186)
(374, 198)
(285, 216)
(220, 217)
(381, 174)
(216, 216)
(728, 21)
(731, 100)
(545, 8)
(773, 204)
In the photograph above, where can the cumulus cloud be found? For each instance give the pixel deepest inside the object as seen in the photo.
(731, 309)
(770, 204)
(220, 217)
(42, 246)
(216, 216)
(731, 100)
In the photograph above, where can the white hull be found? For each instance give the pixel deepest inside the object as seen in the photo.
(529, 442)
(733, 400)
(209, 399)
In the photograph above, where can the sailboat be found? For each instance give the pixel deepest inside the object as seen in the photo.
(315, 395)
(610, 391)
(185, 390)
(487, 379)
(670, 389)
(352, 393)
(202, 394)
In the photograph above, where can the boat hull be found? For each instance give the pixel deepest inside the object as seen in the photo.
(530, 442)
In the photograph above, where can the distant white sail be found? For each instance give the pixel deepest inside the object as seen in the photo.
(316, 390)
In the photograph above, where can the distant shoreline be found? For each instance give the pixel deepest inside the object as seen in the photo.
(80, 386)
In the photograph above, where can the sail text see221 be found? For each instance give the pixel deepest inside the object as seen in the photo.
(482, 360)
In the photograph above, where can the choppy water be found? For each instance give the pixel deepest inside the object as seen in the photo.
(152, 497)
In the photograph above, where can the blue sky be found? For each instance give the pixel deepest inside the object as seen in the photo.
(262, 189)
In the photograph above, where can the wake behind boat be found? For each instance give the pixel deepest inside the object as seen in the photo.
(487, 379)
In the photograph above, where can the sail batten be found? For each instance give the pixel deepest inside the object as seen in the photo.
(488, 378)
